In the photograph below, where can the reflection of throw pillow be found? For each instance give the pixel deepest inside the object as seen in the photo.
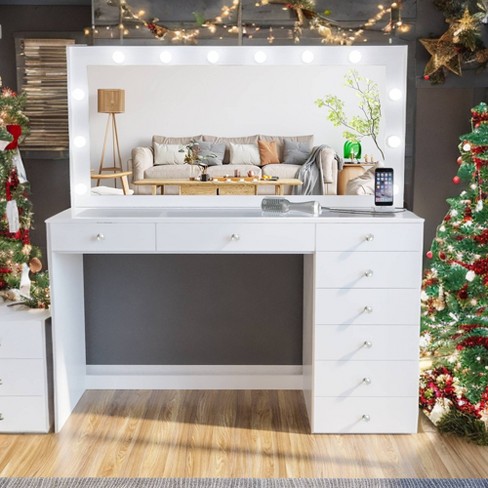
(363, 184)
(207, 149)
(268, 152)
(244, 154)
(168, 154)
(295, 152)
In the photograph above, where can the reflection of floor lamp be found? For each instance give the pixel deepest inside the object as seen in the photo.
(111, 102)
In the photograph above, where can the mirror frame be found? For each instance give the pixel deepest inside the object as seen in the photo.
(392, 58)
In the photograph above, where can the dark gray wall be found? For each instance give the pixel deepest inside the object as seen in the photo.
(214, 328)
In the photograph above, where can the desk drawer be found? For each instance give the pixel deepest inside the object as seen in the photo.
(103, 237)
(366, 378)
(360, 306)
(236, 238)
(371, 343)
(368, 270)
(23, 414)
(21, 340)
(20, 377)
(369, 237)
(344, 415)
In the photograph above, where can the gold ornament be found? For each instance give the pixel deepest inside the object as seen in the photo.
(35, 265)
(444, 55)
(467, 22)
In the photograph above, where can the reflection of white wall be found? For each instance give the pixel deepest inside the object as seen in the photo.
(224, 100)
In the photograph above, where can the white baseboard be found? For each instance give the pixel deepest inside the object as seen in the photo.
(193, 377)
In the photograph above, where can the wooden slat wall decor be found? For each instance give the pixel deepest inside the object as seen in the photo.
(44, 80)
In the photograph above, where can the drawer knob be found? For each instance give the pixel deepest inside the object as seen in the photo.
(367, 344)
(368, 309)
(100, 237)
(1, 416)
(365, 418)
(369, 237)
(367, 381)
(235, 237)
(368, 273)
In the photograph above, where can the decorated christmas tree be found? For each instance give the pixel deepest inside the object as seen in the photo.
(454, 383)
(21, 278)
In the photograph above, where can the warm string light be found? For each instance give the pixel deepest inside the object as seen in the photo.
(330, 31)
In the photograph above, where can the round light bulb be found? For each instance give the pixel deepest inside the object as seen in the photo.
(260, 57)
(213, 57)
(307, 56)
(79, 141)
(118, 57)
(166, 57)
(355, 56)
(394, 141)
(80, 189)
(78, 94)
(467, 147)
(395, 94)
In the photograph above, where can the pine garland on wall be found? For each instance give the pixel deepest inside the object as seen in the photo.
(21, 278)
(454, 383)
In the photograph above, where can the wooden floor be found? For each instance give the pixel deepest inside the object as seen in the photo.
(225, 434)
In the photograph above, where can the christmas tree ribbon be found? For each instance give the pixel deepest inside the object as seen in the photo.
(16, 131)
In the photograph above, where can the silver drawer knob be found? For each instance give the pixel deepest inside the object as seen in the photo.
(1, 381)
(100, 237)
(367, 344)
(368, 273)
(368, 309)
(365, 418)
(235, 237)
(1, 416)
(367, 381)
(369, 237)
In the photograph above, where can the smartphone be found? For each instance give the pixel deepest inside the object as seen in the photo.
(383, 186)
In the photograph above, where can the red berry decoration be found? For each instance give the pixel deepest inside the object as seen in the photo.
(442, 256)
(426, 77)
(456, 180)
(459, 160)
(429, 254)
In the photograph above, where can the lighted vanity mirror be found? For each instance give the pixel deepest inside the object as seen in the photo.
(220, 95)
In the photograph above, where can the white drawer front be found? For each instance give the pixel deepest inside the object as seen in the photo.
(366, 378)
(368, 270)
(100, 237)
(381, 415)
(21, 339)
(23, 414)
(369, 237)
(22, 377)
(371, 343)
(235, 238)
(361, 306)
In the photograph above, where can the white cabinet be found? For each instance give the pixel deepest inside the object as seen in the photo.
(365, 328)
(24, 377)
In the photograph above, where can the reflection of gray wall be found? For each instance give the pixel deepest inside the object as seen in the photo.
(441, 116)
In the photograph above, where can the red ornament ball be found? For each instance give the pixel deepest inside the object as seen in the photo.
(442, 256)
(429, 254)
(426, 77)
(459, 160)
(456, 180)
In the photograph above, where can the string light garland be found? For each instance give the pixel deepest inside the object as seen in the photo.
(229, 22)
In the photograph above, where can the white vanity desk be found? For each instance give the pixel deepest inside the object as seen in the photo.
(361, 299)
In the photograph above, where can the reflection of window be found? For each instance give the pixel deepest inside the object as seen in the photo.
(41, 65)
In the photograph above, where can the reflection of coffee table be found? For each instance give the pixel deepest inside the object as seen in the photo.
(218, 187)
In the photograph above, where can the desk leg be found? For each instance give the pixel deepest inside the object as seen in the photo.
(68, 330)
(278, 189)
(153, 189)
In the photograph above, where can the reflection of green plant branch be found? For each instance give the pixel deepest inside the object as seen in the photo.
(369, 104)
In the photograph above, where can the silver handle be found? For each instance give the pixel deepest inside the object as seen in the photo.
(235, 237)
(369, 237)
(1, 416)
(367, 381)
(367, 344)
(365, 418)
(100, 237)
(368, 273)
(1, 381)
(368, 309)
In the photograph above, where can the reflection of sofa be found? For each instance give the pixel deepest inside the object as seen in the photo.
(226, 156)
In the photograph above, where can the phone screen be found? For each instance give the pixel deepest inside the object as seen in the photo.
(383, 186)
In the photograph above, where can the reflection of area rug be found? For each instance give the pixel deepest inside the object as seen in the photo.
(239, 483)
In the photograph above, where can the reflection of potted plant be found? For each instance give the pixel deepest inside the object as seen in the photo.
(359, 126)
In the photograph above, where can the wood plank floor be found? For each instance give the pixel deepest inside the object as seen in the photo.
(225, 434)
